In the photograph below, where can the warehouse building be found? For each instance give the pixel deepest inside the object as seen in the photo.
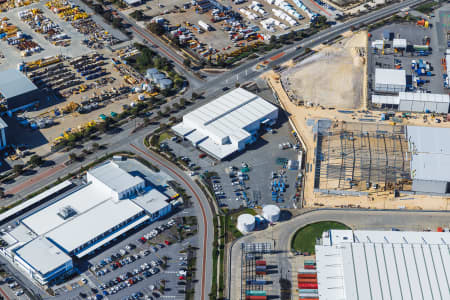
(414, 102)
(112, 203)
(390, 80)
(399, 44)
(430, 158)
(17, 91)
(227, 124)
(387, 265)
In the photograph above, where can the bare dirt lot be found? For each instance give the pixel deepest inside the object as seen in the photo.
(338, 70)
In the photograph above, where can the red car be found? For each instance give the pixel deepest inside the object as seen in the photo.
(181, 278)
(167, 242)
(143, 239)
(202, 155)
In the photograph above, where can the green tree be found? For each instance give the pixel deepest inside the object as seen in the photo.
(156, 28)
(36, 160)
(95, 146)
(73, 156)
(18, 169)
(187, 62)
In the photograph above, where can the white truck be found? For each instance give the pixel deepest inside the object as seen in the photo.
(204, 25)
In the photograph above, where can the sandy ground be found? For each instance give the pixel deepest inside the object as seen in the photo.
(337, 70)
(376, 199)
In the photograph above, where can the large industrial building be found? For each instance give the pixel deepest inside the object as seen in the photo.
(112, 203)
(430, 158)
(390, 80)
(17, 91)
(414, 102)
(387, 265)
(227, 124)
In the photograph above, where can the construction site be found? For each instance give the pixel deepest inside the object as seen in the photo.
(337, 69)
(355, 157)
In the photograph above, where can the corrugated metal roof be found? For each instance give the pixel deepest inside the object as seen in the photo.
(226, 118)
(382, 99)
(14, 83)
(384, 265)
(390, 76)
(425, 97)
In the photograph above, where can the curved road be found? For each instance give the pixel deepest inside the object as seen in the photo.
(206, 226)
(283, 232)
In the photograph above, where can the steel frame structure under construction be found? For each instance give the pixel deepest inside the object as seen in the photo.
(359, 156)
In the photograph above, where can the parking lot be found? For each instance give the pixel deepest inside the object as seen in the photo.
(246, 178)
(415, 35)
(138, 267)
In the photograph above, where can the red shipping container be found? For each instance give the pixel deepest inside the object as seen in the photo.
(307, 285)
(256, 297)
(260, 262)
(307, 276)
(307, 280)
(260, 272)
(310, 267)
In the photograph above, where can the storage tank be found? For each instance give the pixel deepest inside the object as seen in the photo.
(246, 223)
(271, 213)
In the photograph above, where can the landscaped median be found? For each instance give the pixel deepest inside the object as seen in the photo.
(304, 240)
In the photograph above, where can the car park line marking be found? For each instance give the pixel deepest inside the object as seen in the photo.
(205, 235)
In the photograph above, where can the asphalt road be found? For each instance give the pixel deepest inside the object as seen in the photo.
(283, 232)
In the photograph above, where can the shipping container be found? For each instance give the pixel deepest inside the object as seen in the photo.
(304, 271)
(308, 296)
(255, 293)
(307, 280)
(256, 297)
(303, 291)
(310, 275)
(260, 272)
(260, 262)
(309, 262)
(256, 282)
(260, 268)
(310, 267)
(307, 285)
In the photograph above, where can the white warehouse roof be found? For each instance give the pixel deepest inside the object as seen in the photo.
(390, 77)
(424, 97)
(80, 201)
(388, 100)
(93, 223)
(383, 265)
(430, 148)
(42, 255)
(117, 179)
(221, 125)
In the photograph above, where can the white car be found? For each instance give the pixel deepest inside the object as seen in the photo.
(19, 293)
(192, 173)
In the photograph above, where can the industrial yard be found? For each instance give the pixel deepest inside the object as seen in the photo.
(339, 71)
(209, 31)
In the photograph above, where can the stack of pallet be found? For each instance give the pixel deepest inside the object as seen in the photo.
(307, 281)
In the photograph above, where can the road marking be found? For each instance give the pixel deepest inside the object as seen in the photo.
(4, 294)
(205, 235)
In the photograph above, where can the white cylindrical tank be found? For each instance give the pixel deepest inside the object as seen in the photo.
(271, 213)
(245, 223)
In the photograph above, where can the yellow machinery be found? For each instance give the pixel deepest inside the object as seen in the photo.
(71, 107)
